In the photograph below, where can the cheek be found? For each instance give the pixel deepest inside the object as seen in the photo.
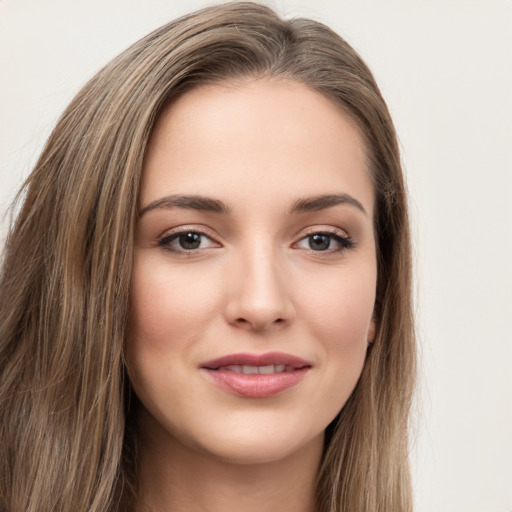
(167, 306)
(169, 312)
(339, 313)
(340, 309)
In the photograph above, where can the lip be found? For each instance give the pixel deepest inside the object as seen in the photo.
(256, 360)
(256, 385)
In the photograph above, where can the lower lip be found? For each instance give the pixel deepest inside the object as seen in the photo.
(256, 385)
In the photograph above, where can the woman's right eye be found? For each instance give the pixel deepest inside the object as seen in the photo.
(186, 241)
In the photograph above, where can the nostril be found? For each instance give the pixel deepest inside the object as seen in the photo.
(258, 325)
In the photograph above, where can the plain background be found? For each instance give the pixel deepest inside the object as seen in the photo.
(444, 67)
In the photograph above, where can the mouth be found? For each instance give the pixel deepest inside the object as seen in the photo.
(256, 376)
(255, 370)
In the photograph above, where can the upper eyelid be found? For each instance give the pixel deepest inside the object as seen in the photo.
(331, 230)
(202, 230)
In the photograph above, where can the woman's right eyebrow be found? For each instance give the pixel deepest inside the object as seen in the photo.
(194, 202)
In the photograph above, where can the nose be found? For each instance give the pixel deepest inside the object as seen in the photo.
(259, 296)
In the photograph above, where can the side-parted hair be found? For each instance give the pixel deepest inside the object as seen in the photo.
(67, 441)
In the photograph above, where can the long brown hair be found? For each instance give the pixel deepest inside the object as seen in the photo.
(66, 437)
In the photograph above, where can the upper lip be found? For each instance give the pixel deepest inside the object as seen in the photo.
(269, 358)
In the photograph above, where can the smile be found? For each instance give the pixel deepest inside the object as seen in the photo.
(260, 370)
(256, 376)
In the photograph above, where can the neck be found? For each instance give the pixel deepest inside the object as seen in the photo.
(174, 477)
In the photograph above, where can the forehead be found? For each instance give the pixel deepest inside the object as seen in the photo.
(258, 139)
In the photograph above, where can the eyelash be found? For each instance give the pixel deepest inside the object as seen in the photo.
(342, 238)
(345, 241)
(168, 238)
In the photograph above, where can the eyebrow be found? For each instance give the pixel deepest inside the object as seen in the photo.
(193, 202)
(208, 204)
(316, 203)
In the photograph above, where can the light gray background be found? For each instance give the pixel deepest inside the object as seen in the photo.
(444, 67)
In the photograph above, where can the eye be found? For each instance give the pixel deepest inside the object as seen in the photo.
(326, 242)
(186, 241)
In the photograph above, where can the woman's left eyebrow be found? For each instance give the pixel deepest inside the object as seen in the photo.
(193, 202)
(320, 202)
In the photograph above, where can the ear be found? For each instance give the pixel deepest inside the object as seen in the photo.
(372, 331)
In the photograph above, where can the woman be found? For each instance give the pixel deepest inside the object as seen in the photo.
(205, 298)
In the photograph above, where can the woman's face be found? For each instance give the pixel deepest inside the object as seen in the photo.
(255, 271)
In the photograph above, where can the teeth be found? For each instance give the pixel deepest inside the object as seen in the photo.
(237, 368)
(253, 370)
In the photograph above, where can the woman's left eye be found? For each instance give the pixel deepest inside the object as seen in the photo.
(330, 242)
(186, 241)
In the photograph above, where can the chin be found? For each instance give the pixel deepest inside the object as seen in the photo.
(253, 449)
(255, 438)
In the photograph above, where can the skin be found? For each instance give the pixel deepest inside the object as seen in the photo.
(256, 283)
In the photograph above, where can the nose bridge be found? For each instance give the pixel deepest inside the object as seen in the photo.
(259, 295)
